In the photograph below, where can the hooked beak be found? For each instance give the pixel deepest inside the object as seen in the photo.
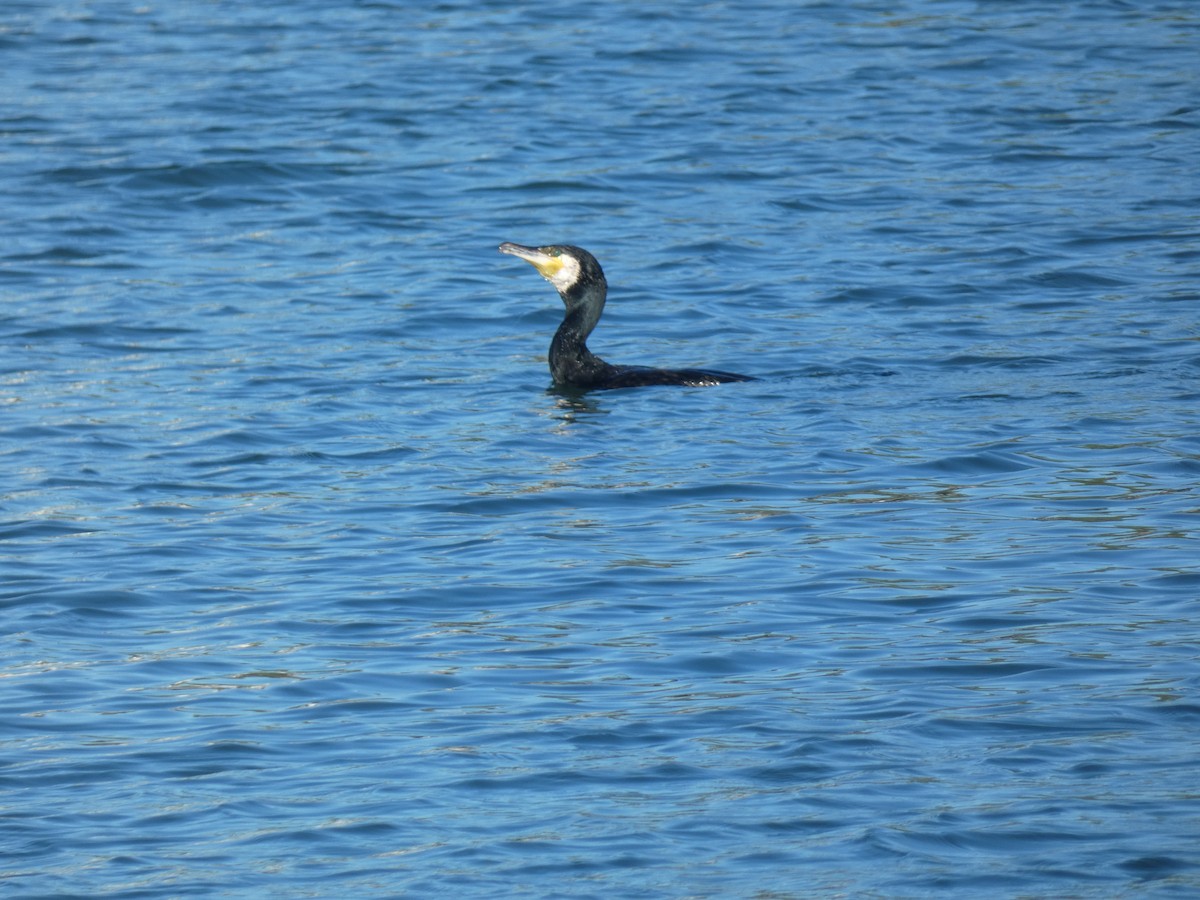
(547, 265)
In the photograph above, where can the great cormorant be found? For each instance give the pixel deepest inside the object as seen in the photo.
(580, 282)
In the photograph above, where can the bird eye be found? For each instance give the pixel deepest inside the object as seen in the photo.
(554, 251)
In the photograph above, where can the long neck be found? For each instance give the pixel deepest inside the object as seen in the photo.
(585, 303)
(571, 362)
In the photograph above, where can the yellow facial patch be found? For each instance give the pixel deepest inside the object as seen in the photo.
(554, 264)
(550, 266)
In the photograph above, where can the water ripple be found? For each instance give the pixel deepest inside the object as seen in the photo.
(314, 587)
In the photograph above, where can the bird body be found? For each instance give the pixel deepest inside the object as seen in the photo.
(579, 280)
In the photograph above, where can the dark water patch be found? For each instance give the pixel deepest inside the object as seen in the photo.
(1067, 279)
(61, 254)
(983, 463)
(112, 334)
(41, 529)
(970, 360)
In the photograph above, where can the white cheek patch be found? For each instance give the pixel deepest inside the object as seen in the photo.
(567, 274)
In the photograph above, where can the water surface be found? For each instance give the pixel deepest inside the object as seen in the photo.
(312, 586)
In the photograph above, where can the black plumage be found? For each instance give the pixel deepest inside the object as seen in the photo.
(580, 282)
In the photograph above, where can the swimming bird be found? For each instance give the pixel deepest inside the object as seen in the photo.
(580, 282)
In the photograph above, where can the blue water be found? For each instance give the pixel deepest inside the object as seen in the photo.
(312, 587)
